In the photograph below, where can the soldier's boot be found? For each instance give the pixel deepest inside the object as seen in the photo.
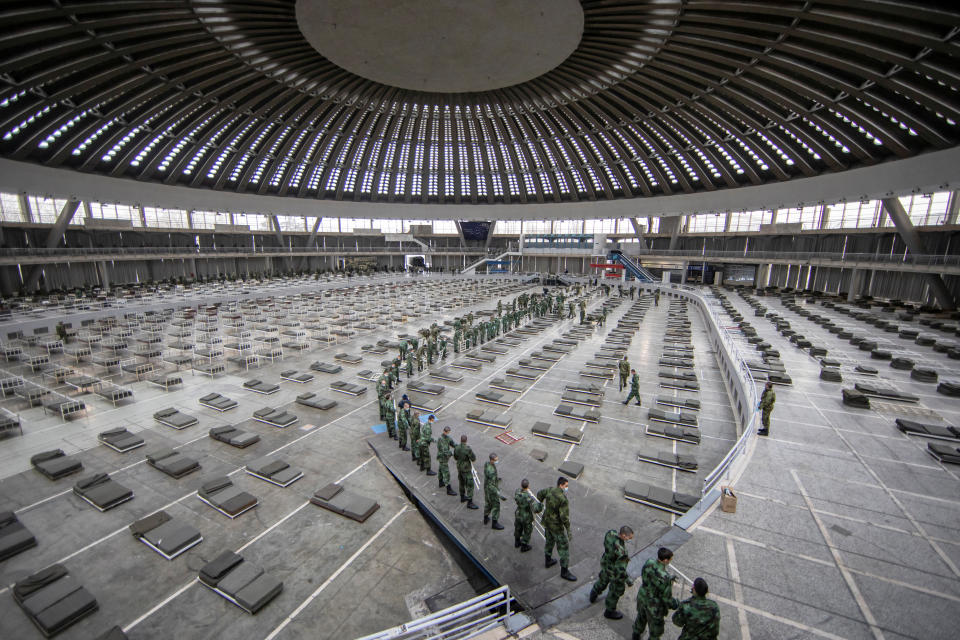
(471, 505)
(463, 497)
(516, 542)
(496, 526)
(566, 575)
(450, 491)
(548, 561)
(406, 448)
(593, 596)
(486, 520)
(635, 636)
(431, 472)
(525, 547)
(613, 615)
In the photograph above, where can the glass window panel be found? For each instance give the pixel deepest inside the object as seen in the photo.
(45, 210)
(537, 226)
(507, 228)
(705, 223)
(568, 226)
(166, 218)
(10, 208)
(446, 227)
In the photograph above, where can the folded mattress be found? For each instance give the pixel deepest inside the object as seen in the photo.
(53, 599)
(920, 429)
(221, 494)
(274, 417)
(557, 432)
(346, 503)
(14, 537)
(166, 536)
(677, 401)
(879, 391)
(659, 497)
(55, 464)
(680, 461)
(314, 401)
(233, 436)
(326, 367)
(575, 412)
(174, 418)
(173, 463)
(102, 491)
(120, 440)
(489, 418)
(274, 470)
(674, 432)
(348, 388)
(242, 583)
(674, 417)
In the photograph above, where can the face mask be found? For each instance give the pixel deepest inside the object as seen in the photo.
(565, 489)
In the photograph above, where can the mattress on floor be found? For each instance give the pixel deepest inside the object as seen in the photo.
(53, 599)
(55, 464)
(102, 491)
(346, 503)
(173, 463)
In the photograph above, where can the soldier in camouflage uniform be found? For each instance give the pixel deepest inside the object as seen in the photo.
(390, 419)
(421, 356)
(431, 350)
(634, 387)
(624, 367)
(556, 526)
(403, 349)
(465, 458)
(409, 364)
(613, 571)
(655, 595)
(415, 436)
(426, 437)
(491, 493)
(698, 616)
(444, 451)
(403, 423)
(766, 407)
(527, 506)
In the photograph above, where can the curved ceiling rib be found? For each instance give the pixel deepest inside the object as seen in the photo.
(659, 98)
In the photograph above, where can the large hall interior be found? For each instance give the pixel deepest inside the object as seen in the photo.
(280, 280)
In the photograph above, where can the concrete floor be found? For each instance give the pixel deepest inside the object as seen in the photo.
(845, 528)
(341, 578)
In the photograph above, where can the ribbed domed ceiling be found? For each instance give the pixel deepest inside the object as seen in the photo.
(658, 98)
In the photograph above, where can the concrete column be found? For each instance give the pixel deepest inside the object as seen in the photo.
(824, 216)
(25, 211)
(915, 244)
(762, 277)
(953, 207)
(104, 274)
(854, 287)
(726, 222)
(189, 219)
(53, 239)
(683, 274)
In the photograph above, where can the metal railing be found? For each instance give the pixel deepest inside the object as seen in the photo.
(465, 620)
(853, 259)
(195, 251)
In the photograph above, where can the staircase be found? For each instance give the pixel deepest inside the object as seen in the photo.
(632, 267)
(473, 267)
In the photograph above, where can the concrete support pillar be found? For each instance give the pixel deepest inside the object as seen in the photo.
(726, 222)
(53, 239)
(762, 277)
(104, 274)
(25, 211)
(953, 207)
(854, 288)
(189, 219)
(915, 244)
(683, 274)
(672, 225)
(638, 230)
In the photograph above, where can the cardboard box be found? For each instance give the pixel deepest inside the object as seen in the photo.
(728, 500)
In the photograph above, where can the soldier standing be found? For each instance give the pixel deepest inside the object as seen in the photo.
(527, 506)
(403, 424)
(766, 406)
(403, 349)
(655, 596)
(390, 419)
(426, 437)
(415, 436)
(583, 311)
(421, 354)
(556, 526)
(698, 616)
(431, 349)
(624, 372)
(634, 387)
(444, 451)
(465, 458)
(491, 493)
(613, 571)
(409, 364)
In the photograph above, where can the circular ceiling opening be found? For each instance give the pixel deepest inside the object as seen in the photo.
(444, 46)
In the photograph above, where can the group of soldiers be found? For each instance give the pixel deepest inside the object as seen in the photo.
(698, 616)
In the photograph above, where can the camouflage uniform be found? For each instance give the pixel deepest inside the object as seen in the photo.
(523, 517)
(613, 571)
(426, 437)
(491, 492)
(444, 451)
(403, 423)
(766, 407)
(634, 389)
(654, 598)
(390, 419)
(415, 436)
(403, 349)
(410, 364)
(624, 372)
(464, 456)
(556, 523)
(421, 355)
(699, 618)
